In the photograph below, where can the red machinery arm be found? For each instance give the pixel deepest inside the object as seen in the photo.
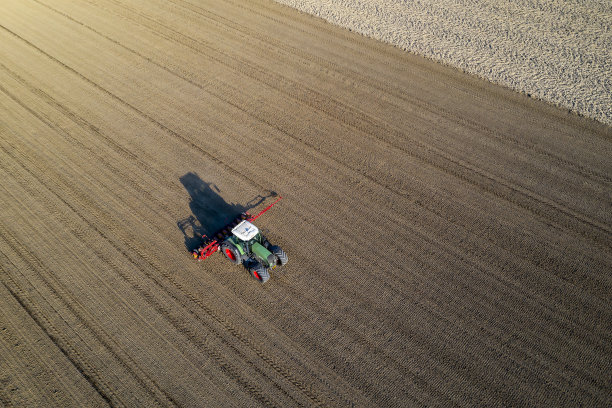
(265, 209)
(211, 246)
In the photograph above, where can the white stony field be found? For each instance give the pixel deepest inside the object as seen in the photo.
(556, 50)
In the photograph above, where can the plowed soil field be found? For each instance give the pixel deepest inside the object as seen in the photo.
(449, 241)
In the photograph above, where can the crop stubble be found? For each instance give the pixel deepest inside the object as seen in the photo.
(449, 240)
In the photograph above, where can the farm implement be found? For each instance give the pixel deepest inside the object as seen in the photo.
(241, 242)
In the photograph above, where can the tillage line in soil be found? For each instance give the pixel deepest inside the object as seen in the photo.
(476, 264)
(35, 264)
(91, 375)
(161, 126)
(289, 14)
(227, 368)
(525, 364)
(81, 124)
(78, 121)
(58, 340)
(474, 255)
(283, 372)
(370, 129)
(519, 196)
(381, 86)
(89, 128)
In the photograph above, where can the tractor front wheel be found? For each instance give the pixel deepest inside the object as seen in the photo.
(258, 271)
(231, 252)
(280, 254)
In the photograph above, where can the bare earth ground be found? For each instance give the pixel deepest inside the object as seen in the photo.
(450, 241)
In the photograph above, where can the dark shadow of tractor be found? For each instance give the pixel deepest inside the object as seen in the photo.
(218, 226)
(210, 212)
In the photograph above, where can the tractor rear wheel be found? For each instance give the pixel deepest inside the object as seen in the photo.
(280, 254)
(257, 270)
(231, 252)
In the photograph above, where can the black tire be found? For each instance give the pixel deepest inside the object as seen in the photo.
(232, 254)
(257, 271)
(280, 254)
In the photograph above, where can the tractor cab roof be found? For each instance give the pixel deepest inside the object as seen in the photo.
(245, 230)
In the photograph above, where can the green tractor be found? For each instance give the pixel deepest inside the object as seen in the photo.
(249, 247)
(242, 243)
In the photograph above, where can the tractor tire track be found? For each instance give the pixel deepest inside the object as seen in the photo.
(160, 272)
(72, 355)
(71, 304)
(419, 283)
(296, 53)
(190, 334)
(552, 212)
(477, 266)
(161, 126)
(76, 358)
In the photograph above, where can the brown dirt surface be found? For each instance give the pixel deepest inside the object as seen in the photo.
(450, 241)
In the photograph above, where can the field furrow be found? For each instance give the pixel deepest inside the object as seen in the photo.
(449, 241)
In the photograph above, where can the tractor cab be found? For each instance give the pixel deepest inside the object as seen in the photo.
(245, 245)
(245, 231)
(245, 236)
